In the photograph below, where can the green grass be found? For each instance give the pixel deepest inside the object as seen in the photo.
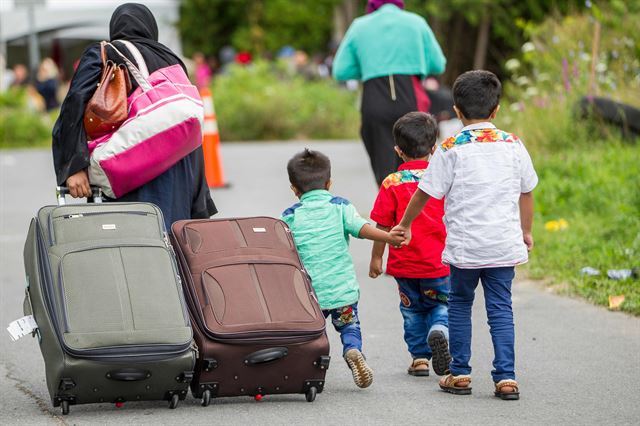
(588, 177)
(596, 189)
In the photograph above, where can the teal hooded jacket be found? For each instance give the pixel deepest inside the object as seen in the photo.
(386, 42)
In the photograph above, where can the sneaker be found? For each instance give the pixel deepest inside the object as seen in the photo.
(362, 373)
(440, 348)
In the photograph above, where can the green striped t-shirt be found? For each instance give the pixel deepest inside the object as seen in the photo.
(321, 225)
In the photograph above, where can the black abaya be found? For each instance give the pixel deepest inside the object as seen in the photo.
(385, 100)
(181, 192)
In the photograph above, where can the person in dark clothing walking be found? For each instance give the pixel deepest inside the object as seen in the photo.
(181, 192)
(390, 50)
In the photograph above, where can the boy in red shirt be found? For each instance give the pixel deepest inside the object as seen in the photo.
(423, 280)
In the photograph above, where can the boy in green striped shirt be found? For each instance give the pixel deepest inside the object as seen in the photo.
(321, 225)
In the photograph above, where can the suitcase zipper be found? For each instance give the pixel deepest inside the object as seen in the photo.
(176, 271)
(157, 213)
(79, 215)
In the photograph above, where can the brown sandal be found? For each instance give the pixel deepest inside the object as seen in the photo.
(457, 385)
(512, 395)
(416, 370)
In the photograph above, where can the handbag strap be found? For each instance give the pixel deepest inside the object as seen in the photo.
(142, 65)
(103, 54)
(135, 72)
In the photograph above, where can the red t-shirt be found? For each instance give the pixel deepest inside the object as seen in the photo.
(422, 258)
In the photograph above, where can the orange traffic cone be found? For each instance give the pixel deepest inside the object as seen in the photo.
(211, 143)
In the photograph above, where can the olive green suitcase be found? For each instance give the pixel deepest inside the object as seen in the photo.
(104, 289)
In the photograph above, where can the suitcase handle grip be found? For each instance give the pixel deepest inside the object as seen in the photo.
(128, 375)
(96, 194)
(266, 355)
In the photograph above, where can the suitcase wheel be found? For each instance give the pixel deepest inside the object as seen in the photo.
(173, 402)
(65, 407)
(311, 394)
(206, 398)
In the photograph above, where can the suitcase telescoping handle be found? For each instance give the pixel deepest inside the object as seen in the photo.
(266, 355)
(61, 191)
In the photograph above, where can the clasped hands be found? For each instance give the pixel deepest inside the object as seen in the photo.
(400, 236)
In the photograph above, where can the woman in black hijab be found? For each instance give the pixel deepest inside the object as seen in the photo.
(181, 192)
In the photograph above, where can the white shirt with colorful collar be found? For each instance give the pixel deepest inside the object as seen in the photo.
(481, 172)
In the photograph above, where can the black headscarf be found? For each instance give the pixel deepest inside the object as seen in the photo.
(135, 23)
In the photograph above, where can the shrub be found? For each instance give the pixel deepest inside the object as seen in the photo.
(262, 102)
(19, 126)
(553, 73)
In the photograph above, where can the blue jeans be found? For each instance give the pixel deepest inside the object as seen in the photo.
(496, 283)
(423, 304)
(346, 322)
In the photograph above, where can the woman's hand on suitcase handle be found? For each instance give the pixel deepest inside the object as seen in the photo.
(78, 184)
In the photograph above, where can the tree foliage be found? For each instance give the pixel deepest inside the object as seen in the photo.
(457, 23)
(261, 26)
(257, 26)
(208, 25)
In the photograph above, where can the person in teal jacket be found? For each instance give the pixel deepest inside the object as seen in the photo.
(390, 50)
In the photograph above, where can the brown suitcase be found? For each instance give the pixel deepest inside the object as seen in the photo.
(257, 323)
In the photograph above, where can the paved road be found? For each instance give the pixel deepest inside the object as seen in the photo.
(577, 364)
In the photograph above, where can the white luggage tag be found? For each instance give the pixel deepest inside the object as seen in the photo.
(21, 327)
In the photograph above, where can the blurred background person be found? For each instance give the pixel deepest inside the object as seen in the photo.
(47, 83)
(227, 56)
(202, 70)
(20, 76)
(390, 51)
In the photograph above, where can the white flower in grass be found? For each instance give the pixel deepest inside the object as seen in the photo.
(528, 47)
(522, 80)
(585, 56)
(512, 64)
(601, 67)
(531, 91)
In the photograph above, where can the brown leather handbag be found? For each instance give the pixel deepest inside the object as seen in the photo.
(107, 108)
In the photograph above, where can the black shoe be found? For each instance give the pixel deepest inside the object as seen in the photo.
(440, 349)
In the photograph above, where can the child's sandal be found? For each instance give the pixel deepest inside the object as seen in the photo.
(457, 385)
(511, 394)
(419, 367)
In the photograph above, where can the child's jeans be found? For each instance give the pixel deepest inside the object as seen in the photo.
(496, 283)
(346, 322)
(423, 304)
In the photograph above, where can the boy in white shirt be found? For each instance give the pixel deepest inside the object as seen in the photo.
(486, 177)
